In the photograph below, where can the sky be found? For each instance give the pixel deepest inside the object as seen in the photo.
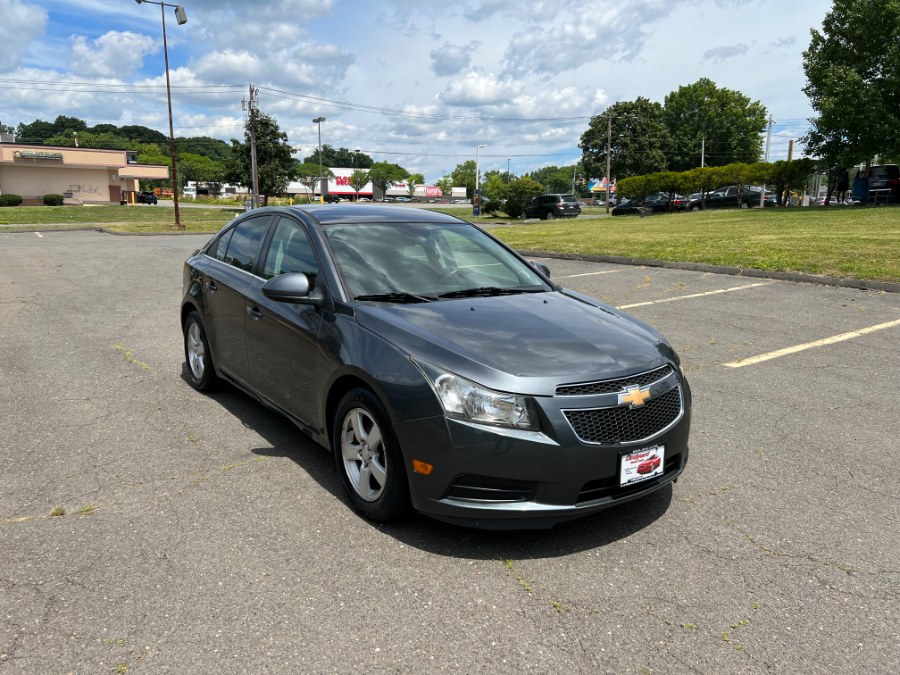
(420, 84)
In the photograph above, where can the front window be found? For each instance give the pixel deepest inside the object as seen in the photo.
(290, 252)
(426, 261)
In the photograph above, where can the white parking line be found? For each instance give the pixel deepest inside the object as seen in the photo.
(696, 295)
(39, 234)
(588, 274)
(809, 345)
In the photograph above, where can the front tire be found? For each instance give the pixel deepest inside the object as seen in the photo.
(197, 354)
(368, 457)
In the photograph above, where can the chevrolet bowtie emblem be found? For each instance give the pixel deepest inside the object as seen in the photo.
(634, 397)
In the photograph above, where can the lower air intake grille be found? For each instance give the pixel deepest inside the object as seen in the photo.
(486, 489)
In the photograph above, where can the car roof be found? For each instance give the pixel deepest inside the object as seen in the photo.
(329, 214)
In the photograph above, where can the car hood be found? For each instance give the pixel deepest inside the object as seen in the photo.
(528, 342)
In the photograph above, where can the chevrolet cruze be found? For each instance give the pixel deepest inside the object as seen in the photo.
(444, 372)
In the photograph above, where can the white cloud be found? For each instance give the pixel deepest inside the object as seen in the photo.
(111, 55)
(452, 59)
(475, 89)
(20, 24)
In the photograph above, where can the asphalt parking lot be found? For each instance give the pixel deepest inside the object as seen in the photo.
(203, 533)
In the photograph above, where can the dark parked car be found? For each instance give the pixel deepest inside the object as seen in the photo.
(147, 198)
(442, 370)
(727, 198)
(657, 202)
(884, 181)
(629, 207)
(553, 206)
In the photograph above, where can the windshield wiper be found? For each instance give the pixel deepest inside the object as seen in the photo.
(396, 297)
(485, 291)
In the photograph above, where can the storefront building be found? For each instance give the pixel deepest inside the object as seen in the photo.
(81, 175)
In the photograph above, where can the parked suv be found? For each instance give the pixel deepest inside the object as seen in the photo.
(885, 177)
(146, 198)
(553, 206)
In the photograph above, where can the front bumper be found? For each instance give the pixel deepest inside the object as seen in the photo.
(501, 478)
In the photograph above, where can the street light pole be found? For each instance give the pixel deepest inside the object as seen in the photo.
(181, 18)
(476, 197)
(319, 120)
(608, 149)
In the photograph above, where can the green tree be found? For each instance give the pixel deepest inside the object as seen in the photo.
(637, 140)
(275, 165)
(852, 69)
(412, 181)
(382, 174)
(197, 168)
(341, 158)
(728, 120)
(38, 132)
(517, 193)
(554, 178)
(309, 175)
(445, 184)
(213, 148)
(464, 176)
(358, 180)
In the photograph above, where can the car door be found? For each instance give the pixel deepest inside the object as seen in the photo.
(283, 338)
(226, 283)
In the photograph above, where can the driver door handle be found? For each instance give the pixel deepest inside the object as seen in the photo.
(254, 312)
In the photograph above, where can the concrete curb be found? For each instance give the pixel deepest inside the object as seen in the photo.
(800, 277)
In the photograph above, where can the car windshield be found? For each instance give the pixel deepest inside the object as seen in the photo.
(419, 262)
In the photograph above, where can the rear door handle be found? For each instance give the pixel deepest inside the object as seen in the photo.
(254, 312)
(211, 285)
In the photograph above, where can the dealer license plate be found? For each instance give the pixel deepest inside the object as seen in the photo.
(643, 464)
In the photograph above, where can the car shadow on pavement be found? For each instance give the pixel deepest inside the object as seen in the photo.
(286, 440)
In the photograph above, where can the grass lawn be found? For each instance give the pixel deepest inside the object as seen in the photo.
(860, 243)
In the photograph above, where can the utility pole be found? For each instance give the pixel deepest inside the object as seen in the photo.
(252, 106)
(762, 194)
(703, 152)
(608, 163)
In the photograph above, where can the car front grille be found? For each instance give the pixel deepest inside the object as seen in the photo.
(614, 386)
(624, 424)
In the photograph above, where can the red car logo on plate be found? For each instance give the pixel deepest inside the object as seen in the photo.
(648, 466)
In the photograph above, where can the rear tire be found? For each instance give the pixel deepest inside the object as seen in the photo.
(368, 457)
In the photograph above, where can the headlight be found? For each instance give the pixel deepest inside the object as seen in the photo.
(463, 399)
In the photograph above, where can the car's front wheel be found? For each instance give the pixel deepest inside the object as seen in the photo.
(368, 457)
(201, 373)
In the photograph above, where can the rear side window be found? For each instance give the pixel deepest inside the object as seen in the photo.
(217, 250)
(243, 249)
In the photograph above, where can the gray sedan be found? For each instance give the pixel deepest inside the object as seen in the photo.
(443, 371)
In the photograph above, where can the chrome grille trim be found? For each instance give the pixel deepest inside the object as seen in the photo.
(617, 385)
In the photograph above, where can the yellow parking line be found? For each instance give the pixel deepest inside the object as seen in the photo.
(809, 345)
(695, 295)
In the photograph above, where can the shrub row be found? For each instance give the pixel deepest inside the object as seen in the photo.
(15, 200)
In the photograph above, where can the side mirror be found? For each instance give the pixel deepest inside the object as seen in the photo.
(541, 267)
(293, 288)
